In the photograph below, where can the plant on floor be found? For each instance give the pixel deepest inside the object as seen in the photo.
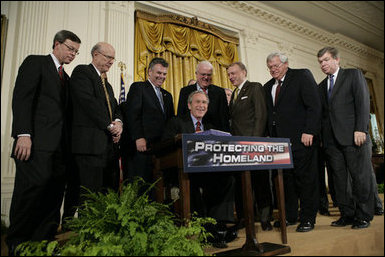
(128, 224)
(380, 188)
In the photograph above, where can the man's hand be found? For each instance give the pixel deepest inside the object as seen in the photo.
(116, 129)
(141, 145)
(307, 139)
(23, 148)
(359, 138)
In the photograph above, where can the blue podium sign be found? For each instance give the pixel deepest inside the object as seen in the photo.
(211, 153)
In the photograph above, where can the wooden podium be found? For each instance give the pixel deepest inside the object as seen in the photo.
(169, 154)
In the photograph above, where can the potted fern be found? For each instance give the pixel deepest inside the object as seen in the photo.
(128, 224)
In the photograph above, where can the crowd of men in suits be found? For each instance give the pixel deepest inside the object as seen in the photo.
(70, 132)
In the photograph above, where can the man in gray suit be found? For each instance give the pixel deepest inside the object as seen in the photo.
(248, 117)
(345, 123)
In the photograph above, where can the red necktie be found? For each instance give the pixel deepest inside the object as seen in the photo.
(204, 90)
(277, 91)
(61, 72)
(198, 126)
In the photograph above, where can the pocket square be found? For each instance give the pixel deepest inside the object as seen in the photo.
(244, 97)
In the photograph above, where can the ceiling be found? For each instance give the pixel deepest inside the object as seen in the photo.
(362, 21)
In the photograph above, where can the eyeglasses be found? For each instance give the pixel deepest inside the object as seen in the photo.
(274, 67)
(205, 74)
(71, 49)
(110, 58)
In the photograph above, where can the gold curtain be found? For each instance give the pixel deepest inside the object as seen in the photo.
(183, 47)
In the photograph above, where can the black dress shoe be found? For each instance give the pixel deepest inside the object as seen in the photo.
(357, 224)
(305, 227)
(231, 235)
(277, 223)
(378, 211)
(342, 222)
(266, 225)
(324, 212)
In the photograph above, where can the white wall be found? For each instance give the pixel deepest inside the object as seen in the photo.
(261, 30)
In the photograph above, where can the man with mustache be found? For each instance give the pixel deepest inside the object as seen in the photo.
(40, 150)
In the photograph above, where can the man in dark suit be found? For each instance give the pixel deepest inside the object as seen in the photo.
(294, 111)
(218, 112)
(248, 117)
(216, 199)
(146, 111)
(40, 131)
(97, 125)
(345, 124)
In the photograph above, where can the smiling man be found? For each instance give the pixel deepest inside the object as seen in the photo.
(212, 194)
(218, 111)
(146, 111)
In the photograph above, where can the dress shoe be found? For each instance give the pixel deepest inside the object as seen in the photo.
(342, 222)
(277, 224)
(305, 226)
(357, 224)
(378, 211)
(324, 212)
(266, 225)
(231, 235)
(218, 233)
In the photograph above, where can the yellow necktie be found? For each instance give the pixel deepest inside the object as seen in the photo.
(236, 93)
(107, 97)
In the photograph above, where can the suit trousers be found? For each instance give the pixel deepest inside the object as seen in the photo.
(98, 173)
(37, 197)
(352, 167)
(301, 183)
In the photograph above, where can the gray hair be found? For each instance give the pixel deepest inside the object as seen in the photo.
(240, 65)
(189, 100)
(281, 56)
(205, 62)
(96, 48)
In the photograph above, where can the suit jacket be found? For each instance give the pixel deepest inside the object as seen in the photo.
(179, 125)
(348, 108)
(90, 111)
(143, 115)
(39, 103)
(298, 109)
(248, 114)
(218, 111)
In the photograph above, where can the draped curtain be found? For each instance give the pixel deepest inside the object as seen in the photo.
(183, 47)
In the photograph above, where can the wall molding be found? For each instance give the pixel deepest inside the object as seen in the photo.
(307, 31)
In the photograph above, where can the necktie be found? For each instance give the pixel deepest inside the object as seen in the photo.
(61, 72)
(236, 94)
(160, 97)
(107, 96)
(204, 90)
(277, 91)
(331, 86)
(198, 126)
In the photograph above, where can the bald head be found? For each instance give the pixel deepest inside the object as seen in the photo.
(103, 56)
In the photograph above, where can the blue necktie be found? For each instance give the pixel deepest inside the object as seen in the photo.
(159, 95)
(331, 86)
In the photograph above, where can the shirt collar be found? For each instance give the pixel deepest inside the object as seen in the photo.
(195, 121)
(96, 69)
(282, 79)
(56, 61)
(241, 85)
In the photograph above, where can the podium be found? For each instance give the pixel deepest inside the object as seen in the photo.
(170, 154)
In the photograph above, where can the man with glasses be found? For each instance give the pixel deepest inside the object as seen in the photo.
(294, 111)
(218, 112)
(40, 130)
(97, 125)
